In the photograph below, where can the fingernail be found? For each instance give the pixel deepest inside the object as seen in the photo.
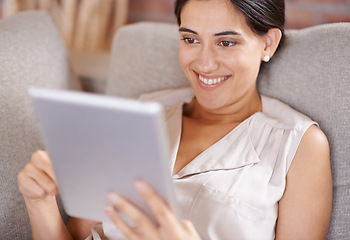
(109, 210)
(112, 198)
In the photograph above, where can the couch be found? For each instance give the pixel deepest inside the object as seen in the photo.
(311, 72)
(32, 53)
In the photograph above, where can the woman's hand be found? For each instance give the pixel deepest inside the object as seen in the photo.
(37, 180)
(37, 183)
(169, 226)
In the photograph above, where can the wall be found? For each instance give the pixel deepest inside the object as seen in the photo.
(151, 10)
(304, 13)
(300, 13)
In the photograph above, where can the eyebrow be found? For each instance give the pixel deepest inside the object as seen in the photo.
(182, 29)
(225, 33)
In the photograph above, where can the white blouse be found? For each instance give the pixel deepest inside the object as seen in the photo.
(232, 189)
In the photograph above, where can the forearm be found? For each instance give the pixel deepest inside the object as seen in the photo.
(45, 219)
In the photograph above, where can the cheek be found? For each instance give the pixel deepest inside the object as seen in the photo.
(184, 57)
(234, 61)
(252, 65)
(245, 64)
(246, 59)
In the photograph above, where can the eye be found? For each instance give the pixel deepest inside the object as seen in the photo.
(226, 43)
(190, 40)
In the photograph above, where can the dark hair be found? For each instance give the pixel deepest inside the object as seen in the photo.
(260, 15)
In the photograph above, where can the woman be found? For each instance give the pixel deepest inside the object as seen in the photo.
(245, 166)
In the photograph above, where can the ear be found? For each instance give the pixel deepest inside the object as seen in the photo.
(272, 39)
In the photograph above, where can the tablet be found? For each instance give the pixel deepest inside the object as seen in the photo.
(98, 144)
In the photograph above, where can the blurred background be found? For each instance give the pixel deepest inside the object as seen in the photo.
(88, 26)
(300, 13)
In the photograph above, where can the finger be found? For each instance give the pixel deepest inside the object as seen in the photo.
(29, 188)
(143, 224)
(41, 179)
(163, 213)
(128, 231)
(42, 161)
(189, 228)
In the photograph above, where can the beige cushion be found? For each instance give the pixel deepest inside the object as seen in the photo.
(144, 59)
(311, 72)
(32, 54)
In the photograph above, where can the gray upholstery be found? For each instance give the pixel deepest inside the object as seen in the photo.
(32, 53)
(144, 59)
(311, 72)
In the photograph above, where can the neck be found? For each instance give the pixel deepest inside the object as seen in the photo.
(235, 112)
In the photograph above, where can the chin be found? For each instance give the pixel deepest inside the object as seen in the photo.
(209, 104)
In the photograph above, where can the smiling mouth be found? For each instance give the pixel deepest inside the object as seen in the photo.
(212, 81)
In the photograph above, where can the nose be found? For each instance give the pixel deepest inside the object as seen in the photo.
(207, 61)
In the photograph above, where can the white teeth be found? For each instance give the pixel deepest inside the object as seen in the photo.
(211, 81)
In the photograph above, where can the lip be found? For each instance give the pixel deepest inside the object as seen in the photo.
(221, 80)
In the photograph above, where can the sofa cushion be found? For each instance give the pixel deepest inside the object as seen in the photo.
(144, 59)
(32, 54)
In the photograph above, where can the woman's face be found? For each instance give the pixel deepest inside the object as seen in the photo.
(219, 53)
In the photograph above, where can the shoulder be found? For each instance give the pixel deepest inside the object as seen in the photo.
(315, 138)
(284, 115)
(313, 151)
(282, 128)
